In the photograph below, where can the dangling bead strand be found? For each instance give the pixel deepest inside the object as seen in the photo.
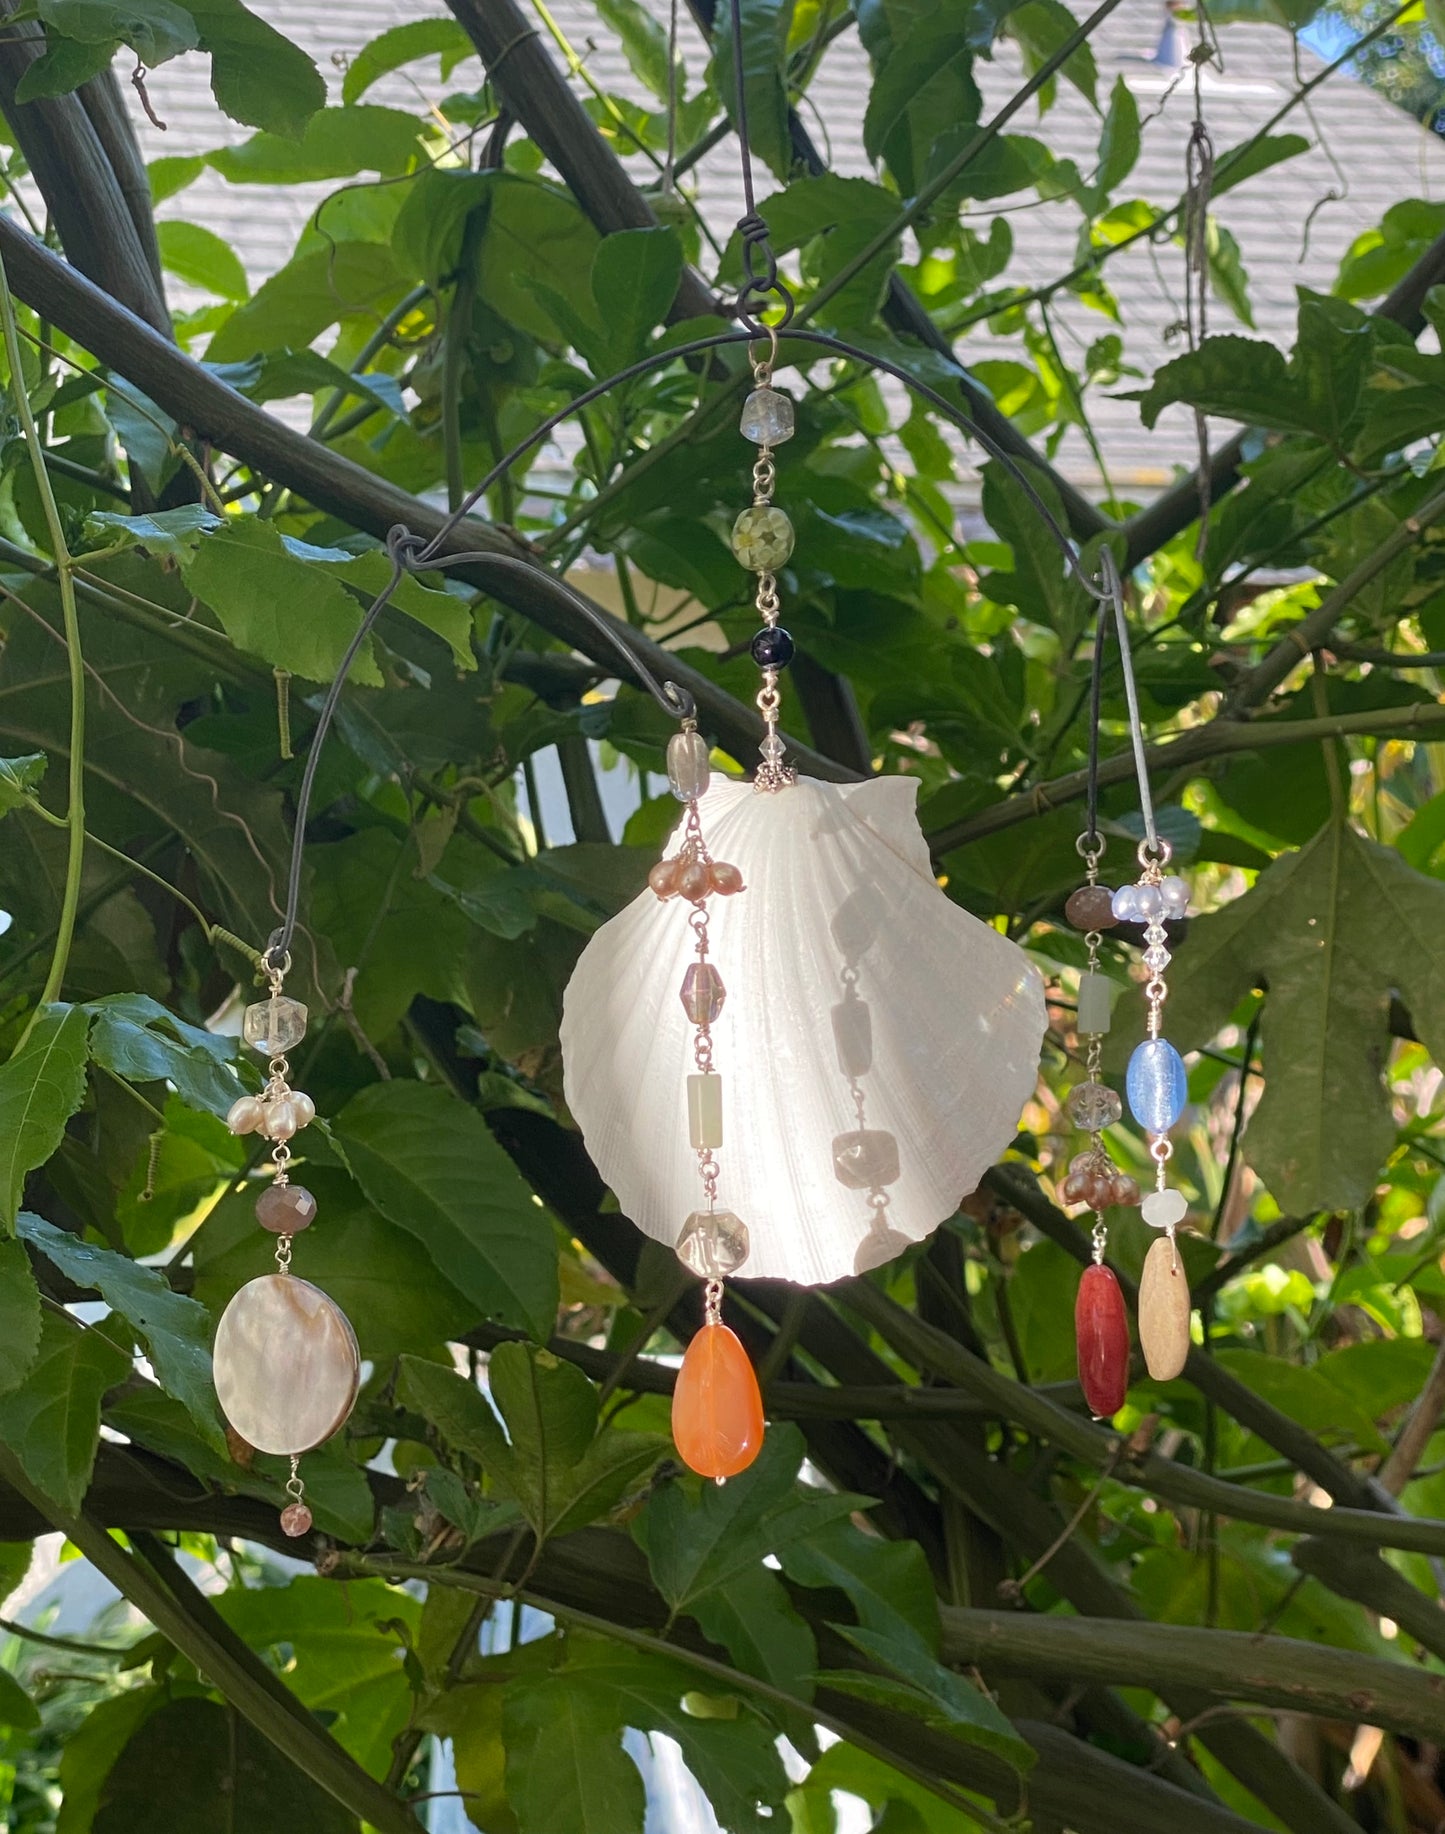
(717, 1409)
(1158, 1088)
(763, 541)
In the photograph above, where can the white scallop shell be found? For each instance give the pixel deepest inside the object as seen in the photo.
(286, 1364)
(838, 882)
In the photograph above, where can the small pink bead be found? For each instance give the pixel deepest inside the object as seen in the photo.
(694, 882)
(725, 879)
(663, 878)
(296, 1520)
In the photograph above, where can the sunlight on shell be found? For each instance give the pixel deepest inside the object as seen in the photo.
(286, 1364)
(839, 885)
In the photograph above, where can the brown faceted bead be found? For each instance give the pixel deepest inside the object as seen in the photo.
(1091, 907)
(286, 1209)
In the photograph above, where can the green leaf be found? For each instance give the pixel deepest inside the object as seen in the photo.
(336, 143)
(1253, 156)
(1041, 28)
(154, 29)
(404, 44)
(19, 1315)
(19, 780)
(1378, 259)
(170, 533)
(175, 1331)
(857, 1773)
(754, 1620)
(63, 67)
(16, 1706)
(258, 77)
(342, 1651)
(40, 1088)
(938, 1696)
(695, 1543)
(314, 291)
(294, 615)
(431, 1166)
(1330, 932)
(888, 1583)
(282, 374)
(192, 1753)
(644, 44)
(92, 1749)
(566, 1768)
(137, 1038)
(202, 259)
(1119, 142)
(923, 88)
(51, 1422)
(634, 281)
(765, 25)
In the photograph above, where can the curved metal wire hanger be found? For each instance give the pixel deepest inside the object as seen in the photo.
(763, 283)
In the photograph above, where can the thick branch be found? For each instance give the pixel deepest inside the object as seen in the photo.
(1356, 1573)
(1271, 1671)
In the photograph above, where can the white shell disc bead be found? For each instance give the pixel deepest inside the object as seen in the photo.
(286, 1365)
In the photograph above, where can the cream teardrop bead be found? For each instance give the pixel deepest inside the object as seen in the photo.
(303, 1108)
(246, 1115)
(280, 1122)
(286, 1364)
(1164, 1308)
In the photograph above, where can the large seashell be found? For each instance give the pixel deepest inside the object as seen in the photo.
(286, 1364)
(839, 884)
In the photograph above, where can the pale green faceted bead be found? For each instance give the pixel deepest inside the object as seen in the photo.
(688, 765)
(767, 417)
(762, 538)
(1096, 997)
(704, 1110)
(713, 1243)
(274, 1026)
(853, 1036)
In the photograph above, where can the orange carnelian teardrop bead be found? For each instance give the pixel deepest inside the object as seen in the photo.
(717, 1409)
(1102, 1328)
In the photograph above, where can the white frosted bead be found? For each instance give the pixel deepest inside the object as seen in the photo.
(767, 417)
(1096, 998)
(688, 765)
(1164, 1209)
(866, 1160)
(853, 1036)
(704, 1110)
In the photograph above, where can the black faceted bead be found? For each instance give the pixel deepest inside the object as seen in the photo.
(772, 648)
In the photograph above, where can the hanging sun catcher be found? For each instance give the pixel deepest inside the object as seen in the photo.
(286, 1363)
(869, 1044)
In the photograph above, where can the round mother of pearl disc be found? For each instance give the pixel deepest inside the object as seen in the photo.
(286, 1364)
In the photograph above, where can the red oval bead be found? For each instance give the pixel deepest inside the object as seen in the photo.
(717, 1407)
(1101, 1326)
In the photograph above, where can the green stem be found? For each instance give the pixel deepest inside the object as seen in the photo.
(75, 811)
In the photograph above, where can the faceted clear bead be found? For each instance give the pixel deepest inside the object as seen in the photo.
(866, 1159)
(704, 1110)
(688, 765)
(275, 1026)
(1157, 958)
(773, 749)
(853, 1036)
(702, 993)
(1094, 1106)
(1157, 1084)
(1096, 999)
(713, 1243)
(762, 538)
(767, 417)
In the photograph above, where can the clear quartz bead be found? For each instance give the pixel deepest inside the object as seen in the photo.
(688, 765)
(713, 1243)
(702, 993)
(773, 749)
(275, 1026)
(704, 1110)
(767, 417)
(1093, 1106)
(853, 1036)
(1156, 959)
(866, 1159)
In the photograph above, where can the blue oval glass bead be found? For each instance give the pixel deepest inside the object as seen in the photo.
(1156, 1085)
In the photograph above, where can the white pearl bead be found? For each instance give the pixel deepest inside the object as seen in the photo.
(246, 1115)
(280, 1122)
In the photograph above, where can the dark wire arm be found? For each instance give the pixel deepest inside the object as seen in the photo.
(412, 553)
